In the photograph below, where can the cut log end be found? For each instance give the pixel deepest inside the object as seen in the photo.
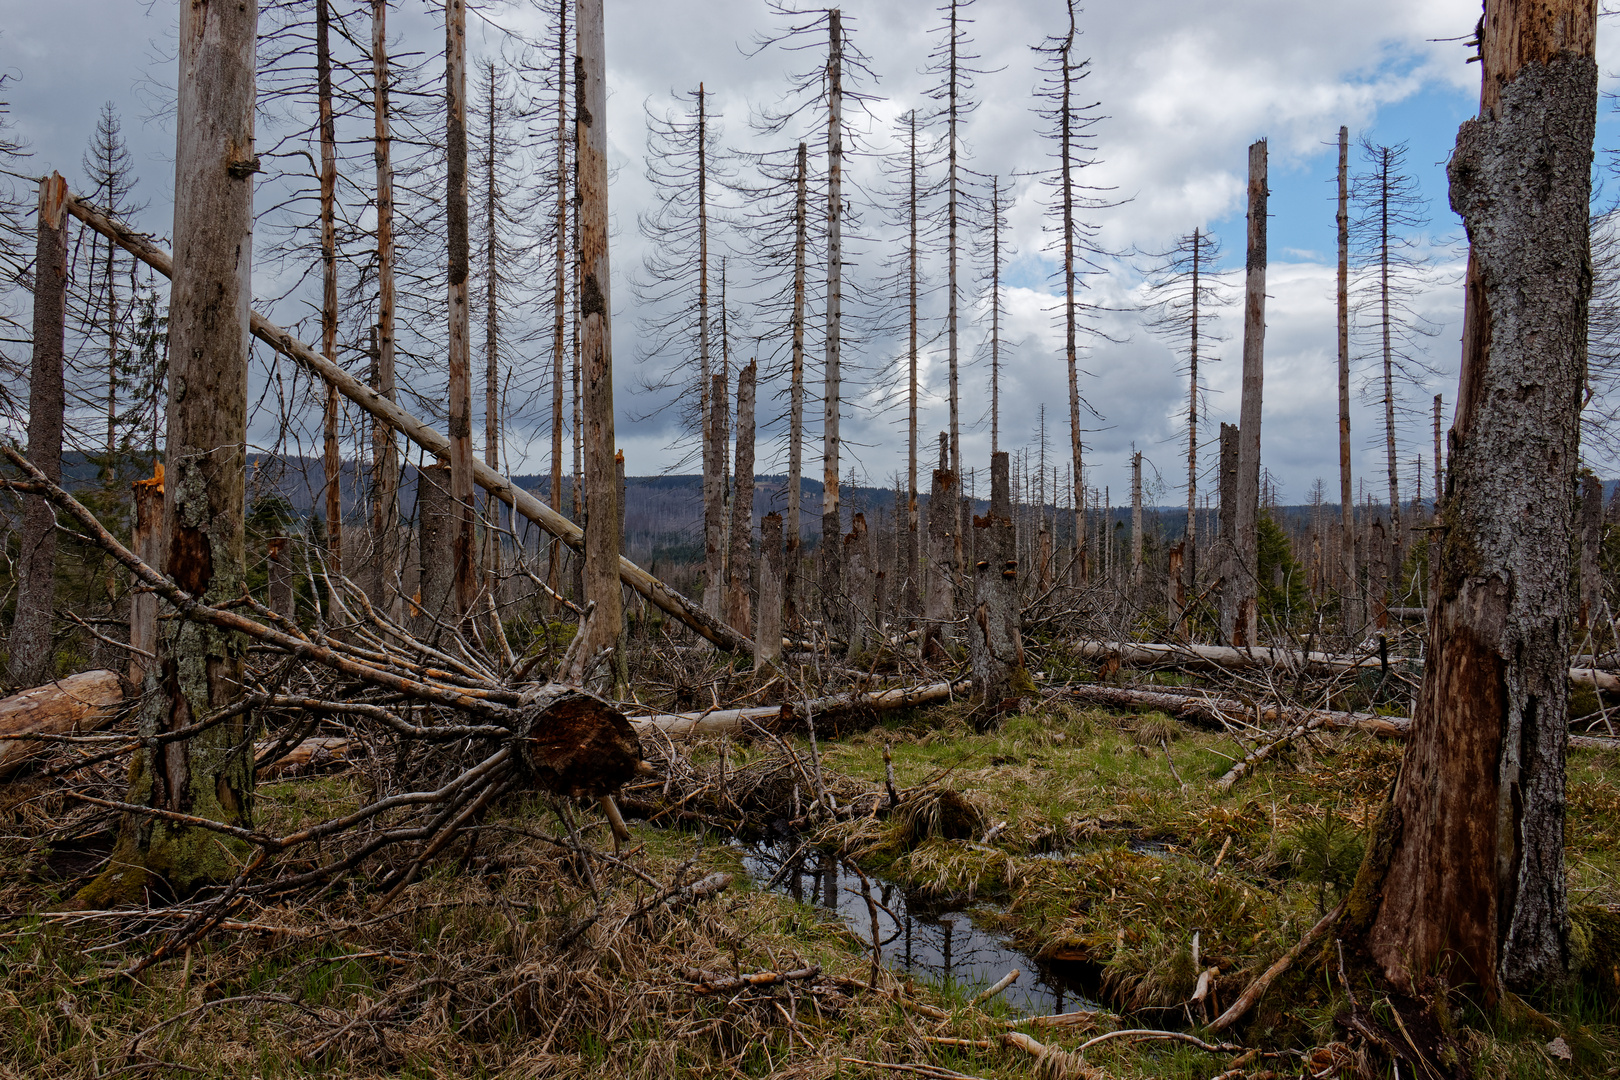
(576, 744)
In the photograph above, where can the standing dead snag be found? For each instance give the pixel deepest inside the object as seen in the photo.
(1245, 582)
(331, 460)
(832, 571)
(1351, 615)
(1468, 869)
(995, 642)
(464, 538)
(742, 504)
(860, 586)
(715, 453)
(435, 538)
(595, 334)
(768, 627)
(199, 667)
(146, 538)
(32, 659)
(939, 603)
(385, 465)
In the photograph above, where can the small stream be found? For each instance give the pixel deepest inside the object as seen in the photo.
(939, 944)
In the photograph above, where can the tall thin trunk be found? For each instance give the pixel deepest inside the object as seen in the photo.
(146, 541)
(714, 455)
(1472, 874)
(831, 529)
(111, 271)
(768, 627)
(385, 466)
(913, 538)
(462, 488)
(1136, 520)
(332, 458)
(1353, 611)
(742, 504)
(198, 669)
(1389, 359)
(1191, 550)
(33, 660)
(714, 481)
(1070, 327)
(801, 225)
(492, 340)
(1439, 460)
(559, 310)
(950, 255)
(995, 317)
(1254, 339)
(596, 340)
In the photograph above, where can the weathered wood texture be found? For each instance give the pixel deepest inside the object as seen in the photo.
(714, 500)
(1227, 562)
(939, 600)
(1474, 834)
(1246, 612)
(199, 666)
(602, 558)
(740, 560)
(722, 721)
(520, 499)
(33, 660)
(792, 527)
(146, 540)
(768, 611)
(435, 539)
(88, 701)
(459, 349)
(385, 454)
(995, 640)
(331, 458)
(860, 588)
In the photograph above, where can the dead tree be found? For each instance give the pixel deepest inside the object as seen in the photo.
(33, 659)
(1466, 869)
(742, 504)
(1591, 588)
(831, 529)
(995, 640)
(436, 524)
(860, 587)
(199, 667)
(1353, 614)
(715, 453)
(462, 486)
(385, 453)
(1136, 521)
(939, 601)
(768, 612)
(1226, 545)
(790, 584)
(595, 330)
(146, 540)
(1245, 581)
(559, 307)
(331, 457)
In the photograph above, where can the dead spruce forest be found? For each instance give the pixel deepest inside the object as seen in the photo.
(335, 748)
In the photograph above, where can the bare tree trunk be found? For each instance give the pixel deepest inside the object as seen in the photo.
(1378, 574)
(913, 518)
(1389, 361)
(739, 564)
(1136, 521)
(146, 541)
(33, 660)
(995, 643)
(492, 347)
(860, 586)
(1191, 539)
(1246, 626)
(995, 321)
(1070, 315)
(1439, 456)
(558, 305)
(280, 596)
(1352, 609)
(951, 294)
(1591, 599)
(768, 627)
(198, 667)
(831, 529)
(332, 459)
(796, 399)
(714, 505)
(1468, 864)
(385, 466)
(436, 523)
(460, 346)
(1226, 543)
(596, 341)
(940, 607)
(1176, 588)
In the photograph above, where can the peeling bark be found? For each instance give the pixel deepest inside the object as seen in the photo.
(995, 644)
(742, 505)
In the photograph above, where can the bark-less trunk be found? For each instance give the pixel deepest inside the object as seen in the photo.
(939, 601)
(995, 644)
(768, 628)
(385, 454)
(742, 504)
(559, 308)
(146, 540)
(596, 343)
(32, 659)
(198, 667)
(1354, 614)
(1226, 557)
(913, 517)
(1136, 521)
(714, 508)
(88, 701)
(435, 538)
(331, 457)
(1389, 362)
(1190, 541)
(460, 344)
(1070, 320)
(1246, 624)
(831, 571)
(1467, 867)
(492, 345)
(951, 295)
(801, 224)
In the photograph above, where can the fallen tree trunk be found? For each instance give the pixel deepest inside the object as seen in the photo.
(307, 756)
(430, 440)
(1214, 710)
(1224, 656)
(723, 721)
(88, 701)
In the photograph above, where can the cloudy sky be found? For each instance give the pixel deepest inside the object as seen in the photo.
(1183, 88)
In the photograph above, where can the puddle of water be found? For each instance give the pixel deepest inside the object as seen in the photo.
(938, 944)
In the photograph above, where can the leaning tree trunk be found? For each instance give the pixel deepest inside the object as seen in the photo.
(1467, 871)
(32, 659)
(198, 669)
(595, 331)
